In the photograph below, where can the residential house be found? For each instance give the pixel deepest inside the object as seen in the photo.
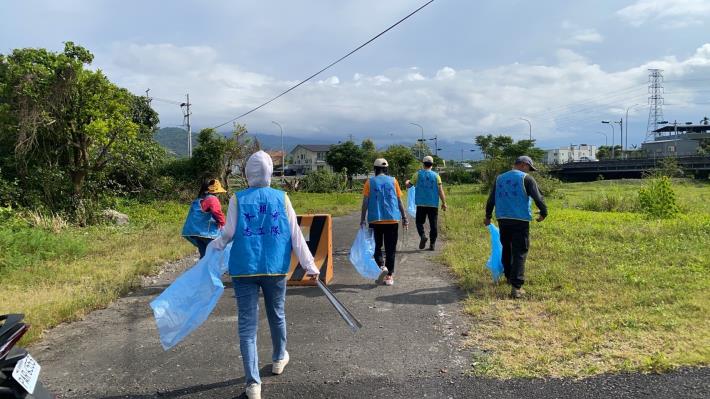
(309, 157)
(278, 158)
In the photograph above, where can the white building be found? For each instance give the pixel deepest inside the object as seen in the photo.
(573, 153)
(309, 157)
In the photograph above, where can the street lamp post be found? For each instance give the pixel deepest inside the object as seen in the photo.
(529, 126)
(606, 138)
(626, 145)
(436, 145)
(283, 153)
(610, 123)
(422, 139)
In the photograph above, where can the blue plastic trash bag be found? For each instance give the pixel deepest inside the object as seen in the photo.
(411, 204)
(190, 299)
(362, 254)
(495, 262)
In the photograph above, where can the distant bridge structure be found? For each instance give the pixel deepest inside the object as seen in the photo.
(699, 166)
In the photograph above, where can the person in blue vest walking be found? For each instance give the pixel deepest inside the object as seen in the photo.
(428, 192)
(382, 205)
(205, 219)
(263, 229)
(512, 196)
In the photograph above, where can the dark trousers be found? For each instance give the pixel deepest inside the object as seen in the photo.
(515, 237)
(424, 212)
(387, 234)
(202, 244)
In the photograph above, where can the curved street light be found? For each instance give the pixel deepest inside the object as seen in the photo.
(529, 126)
(283, 153)
(422, 139)
(610, 123)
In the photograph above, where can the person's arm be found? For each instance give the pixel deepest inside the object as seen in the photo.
(229, 227)
(398, 191)
(534, 192)
(413, 181)
(442, 195)
(490, 204)
(365, 200)
(363, 211)
(405, 221)
(211, 204)
(298, 243)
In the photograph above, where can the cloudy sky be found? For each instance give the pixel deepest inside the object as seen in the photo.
(459, 68)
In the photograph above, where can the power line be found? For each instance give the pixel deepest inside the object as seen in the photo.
(326, 68)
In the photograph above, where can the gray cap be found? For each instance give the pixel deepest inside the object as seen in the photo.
(429, 159)
(526, 160)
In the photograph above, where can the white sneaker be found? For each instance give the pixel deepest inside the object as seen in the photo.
(383, 273)
(254, 391)
(278, 366)
(389, 280)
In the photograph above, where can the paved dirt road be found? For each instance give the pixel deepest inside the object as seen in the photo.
(410, 346)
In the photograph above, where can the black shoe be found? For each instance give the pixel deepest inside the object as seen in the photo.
(422, 242)
(431, 247)
(517, 293)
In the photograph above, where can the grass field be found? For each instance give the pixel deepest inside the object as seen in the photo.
(54, 277)
(607, 291)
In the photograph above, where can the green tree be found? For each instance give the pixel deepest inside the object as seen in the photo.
(500, 152)
(604, 151)
(240, 146)
(209, 155)
(369, 152)
(63, 124)
(347, 158)
(402, 162)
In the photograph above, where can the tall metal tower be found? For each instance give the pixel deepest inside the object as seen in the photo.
(655, 101)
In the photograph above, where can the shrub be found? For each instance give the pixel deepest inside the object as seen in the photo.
(657, 199)
(458, 175)
(547, 184)
(323, 181)
(610, 202)
(489, 169)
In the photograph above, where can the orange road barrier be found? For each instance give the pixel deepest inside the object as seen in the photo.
(318, 231)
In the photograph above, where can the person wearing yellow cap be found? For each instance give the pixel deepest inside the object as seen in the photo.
(205, 219)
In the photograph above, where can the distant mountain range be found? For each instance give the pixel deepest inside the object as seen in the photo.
(174, 139)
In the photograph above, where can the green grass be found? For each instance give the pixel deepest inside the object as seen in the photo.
(54, 277)
(335, 204)
(607, 291)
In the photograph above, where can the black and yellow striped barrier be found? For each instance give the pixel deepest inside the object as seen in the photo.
(318, 231)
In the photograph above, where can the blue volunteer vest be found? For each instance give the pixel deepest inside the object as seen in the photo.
(512, 202)
(262, 239)
(199, 223)
(427, 192)
(383, 204)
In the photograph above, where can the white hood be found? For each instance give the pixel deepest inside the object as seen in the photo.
(259, 169)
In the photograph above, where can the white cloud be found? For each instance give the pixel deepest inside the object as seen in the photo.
(457, 104)
(587, 36)
(445, 73)
(667, 13)
(576, 35)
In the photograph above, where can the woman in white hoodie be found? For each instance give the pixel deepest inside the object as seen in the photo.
(264, 230)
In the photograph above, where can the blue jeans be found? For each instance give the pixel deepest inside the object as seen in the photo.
(246, 289)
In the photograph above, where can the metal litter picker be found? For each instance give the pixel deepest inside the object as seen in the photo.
(351, 321)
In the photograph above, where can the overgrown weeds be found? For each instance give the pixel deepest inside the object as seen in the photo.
(607, 291)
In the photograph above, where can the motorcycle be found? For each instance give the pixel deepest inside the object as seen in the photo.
(19, 372)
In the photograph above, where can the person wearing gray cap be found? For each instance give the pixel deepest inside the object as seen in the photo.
(512, 196)
(427, 195)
